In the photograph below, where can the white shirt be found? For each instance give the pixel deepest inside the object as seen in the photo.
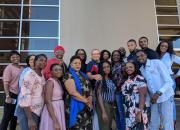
(168, 60)
(158, 79)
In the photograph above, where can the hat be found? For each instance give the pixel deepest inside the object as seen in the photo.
(57, 48)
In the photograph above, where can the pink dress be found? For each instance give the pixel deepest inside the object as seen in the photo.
(58, 107)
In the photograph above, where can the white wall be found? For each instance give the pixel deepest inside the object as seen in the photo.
(106, 24)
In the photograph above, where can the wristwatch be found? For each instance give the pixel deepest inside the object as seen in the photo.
(159, 93)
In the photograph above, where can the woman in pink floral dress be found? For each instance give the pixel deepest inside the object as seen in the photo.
(136, 103)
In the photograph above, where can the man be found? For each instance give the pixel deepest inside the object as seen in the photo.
(160, 89)
(143, 43)
(59, 53)
(131, 44)
(123, 53)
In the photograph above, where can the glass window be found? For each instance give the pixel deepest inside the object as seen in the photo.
(9, 28)
(40, 29)
(1, 85)
(41, 13)
(2, 67)
(10, 1)
(165, 2)
(172, 30)
(167, 10)
(25, 54)
(4, 57)
(170, 38)
(42, 2)
(38, 44)
(8, 44)
(10, 12)
(176, 43)
(168, 20)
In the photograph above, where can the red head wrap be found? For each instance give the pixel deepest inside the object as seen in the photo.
(57, 48)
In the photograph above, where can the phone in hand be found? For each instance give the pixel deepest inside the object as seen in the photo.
(13, 101)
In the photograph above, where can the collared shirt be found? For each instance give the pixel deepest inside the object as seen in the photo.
(151, 54)
(168, 60)
(158, 79)
(132, 56)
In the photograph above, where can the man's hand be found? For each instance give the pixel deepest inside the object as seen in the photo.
(154, 98)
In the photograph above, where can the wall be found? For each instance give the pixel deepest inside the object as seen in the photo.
(106, 24)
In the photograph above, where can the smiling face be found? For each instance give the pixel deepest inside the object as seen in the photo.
(15, 59)
(57, 71)
(76, 64)
(106, 68)
(141, 57)
(143, 43)
(116, 56)
(81, 54)
(130, 68)
(59, 54)
(95, 55)
(164, 47)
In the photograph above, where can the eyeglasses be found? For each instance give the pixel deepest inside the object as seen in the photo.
(56, 70)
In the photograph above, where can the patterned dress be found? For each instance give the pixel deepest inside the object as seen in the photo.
(83, 121)
(130, 91)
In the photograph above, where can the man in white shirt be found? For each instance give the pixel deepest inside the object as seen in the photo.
(160, 90)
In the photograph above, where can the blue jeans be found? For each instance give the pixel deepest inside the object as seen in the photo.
(164, 109)
(174, 104)
(23, 121)
(120, 119)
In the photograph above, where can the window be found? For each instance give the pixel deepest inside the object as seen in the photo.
(168, 21)
(29, 26)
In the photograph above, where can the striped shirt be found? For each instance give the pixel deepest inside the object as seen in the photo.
(108, 89)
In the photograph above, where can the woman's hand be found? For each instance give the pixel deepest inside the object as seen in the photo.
(138, 116)
(56, 125)
(104, 117)
(8, 100)
(97, 77)
(32, 124)
(89, 102)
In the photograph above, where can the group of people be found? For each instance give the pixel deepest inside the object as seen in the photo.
(112, 91)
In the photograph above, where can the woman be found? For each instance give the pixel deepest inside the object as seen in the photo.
(10, 82)
(106, 97)
(105, 55)
(31, 99)
(117, 76)
(82, 54)
(53, 114)
(136, 105)
(79, 100)
(30, 65)
(168, 57)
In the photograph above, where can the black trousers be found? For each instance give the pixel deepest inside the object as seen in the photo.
(8, 115)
